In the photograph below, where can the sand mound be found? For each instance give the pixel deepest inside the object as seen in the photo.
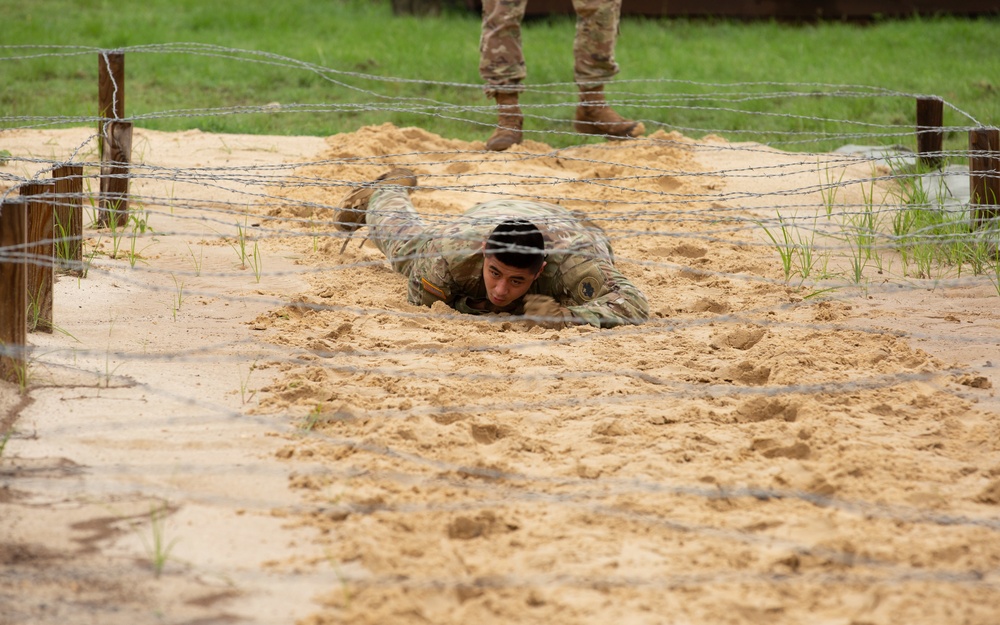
(755, 453)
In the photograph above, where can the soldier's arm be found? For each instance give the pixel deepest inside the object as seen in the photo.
(598, 294)
(429, 280)
(443, 274)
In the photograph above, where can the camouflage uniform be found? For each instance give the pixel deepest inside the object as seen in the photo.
(501, 61)
(445, 262)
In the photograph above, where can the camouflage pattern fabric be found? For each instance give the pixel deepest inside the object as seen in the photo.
(501, 60)
(444, 262)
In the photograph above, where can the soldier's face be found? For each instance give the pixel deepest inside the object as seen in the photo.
(506, 284)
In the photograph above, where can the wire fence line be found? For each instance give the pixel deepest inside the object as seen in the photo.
(844, 207)
(436, 108)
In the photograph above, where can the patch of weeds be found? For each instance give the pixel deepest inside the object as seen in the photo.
(197, 259)
(345, 587)
(241, 243)
(991, 262)
(158, 548)
(314, 418)
(258, 265)
(34, 310)
(88, 259)
(830, 190)
(795, 247)
(23, 377)
(245, 382)
(67, 247)
(928, 235)
(178, 298)
(108, 371)
(243, 252)
(785, 246)
(4, 439)
(117, 232)
(139, 227)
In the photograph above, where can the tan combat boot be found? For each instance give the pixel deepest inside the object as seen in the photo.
(351, 214)
(509, 124)
(595, 117)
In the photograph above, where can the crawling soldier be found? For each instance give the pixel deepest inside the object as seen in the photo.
(502, 256)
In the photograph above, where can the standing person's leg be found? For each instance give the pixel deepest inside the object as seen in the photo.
(501, 60)
(594, 44)
(502, 67)
(594, 65)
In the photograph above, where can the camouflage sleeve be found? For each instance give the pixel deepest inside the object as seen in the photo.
(598, 294)
(430, 280)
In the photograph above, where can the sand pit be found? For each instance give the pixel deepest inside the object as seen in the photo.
(320, 451)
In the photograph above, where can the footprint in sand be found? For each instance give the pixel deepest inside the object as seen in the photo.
(709, 305)
(740, 338)
(688, 250)
(459, 168)
(483, 524)
(488, 433)
(764, 409)
(669, 183)
(748, 373)
(771, 448)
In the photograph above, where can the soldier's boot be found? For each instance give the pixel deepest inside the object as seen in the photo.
(595, 117)
(509, 124)
(351, 214)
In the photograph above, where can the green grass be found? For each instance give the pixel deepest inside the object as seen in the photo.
(906, 230)
(3, 440)
(668, 67)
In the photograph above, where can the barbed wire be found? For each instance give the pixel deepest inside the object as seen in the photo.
(284, 206)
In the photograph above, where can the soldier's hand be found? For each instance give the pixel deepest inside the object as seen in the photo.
(546, 312)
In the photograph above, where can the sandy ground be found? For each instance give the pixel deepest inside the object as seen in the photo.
(307, 447)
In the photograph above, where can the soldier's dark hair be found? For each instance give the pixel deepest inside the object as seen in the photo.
(518, 243)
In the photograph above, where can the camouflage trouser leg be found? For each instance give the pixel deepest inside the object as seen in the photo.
(501, 60)
(395, 227)
(594, 45)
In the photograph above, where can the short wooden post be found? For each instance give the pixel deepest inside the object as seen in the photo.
(13, 289)
(69, 217)
(930, 136)
(40, 253)
(115, 173)
(110, 91)
(984, 175)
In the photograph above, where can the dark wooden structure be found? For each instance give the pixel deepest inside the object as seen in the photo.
(114, 138)
(68, 219)
(782, 9)
(14, 288)
(41, 236)
(930, 135)
(790, 10)
(117, 146)
(984, 175)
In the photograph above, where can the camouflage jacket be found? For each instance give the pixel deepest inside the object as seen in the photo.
(579, 272)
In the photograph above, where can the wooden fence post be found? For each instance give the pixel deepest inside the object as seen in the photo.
(69, 217)
(115, 140)
(110, 91)
(40, 253)
(114, 174)
(984, 175)
(930, 136)
(13, 289)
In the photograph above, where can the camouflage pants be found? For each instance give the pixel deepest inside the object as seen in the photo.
(501, 60)
(395, 227)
